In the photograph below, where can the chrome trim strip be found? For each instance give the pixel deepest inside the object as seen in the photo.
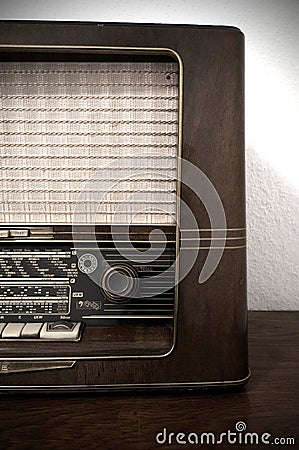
(128, 50)
(12, 366)
(216, 248)
(212, 229)
(112, 387)
(213, 238)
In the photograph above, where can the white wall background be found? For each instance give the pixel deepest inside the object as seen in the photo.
(271, 28)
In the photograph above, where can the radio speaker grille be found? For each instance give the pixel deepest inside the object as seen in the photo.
(62, 122)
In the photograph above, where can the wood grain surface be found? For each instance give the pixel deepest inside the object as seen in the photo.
(269, 403)
(211, 336)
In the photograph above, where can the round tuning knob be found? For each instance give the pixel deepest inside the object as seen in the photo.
(119, 282)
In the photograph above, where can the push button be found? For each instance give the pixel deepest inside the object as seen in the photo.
(4, 234)
(12, 330)
(44, 232)
(31, 330)
(61, 331)
(19, 233)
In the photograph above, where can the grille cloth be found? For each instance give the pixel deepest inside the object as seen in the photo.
(61, 122)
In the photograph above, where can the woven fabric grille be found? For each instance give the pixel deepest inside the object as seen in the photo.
(63, 124)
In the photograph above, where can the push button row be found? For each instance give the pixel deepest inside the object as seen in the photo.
(61, 330)
(17, 330)
(18, 233)
(34, 233)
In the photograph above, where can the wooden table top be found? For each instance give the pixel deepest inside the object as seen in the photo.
(268, 404)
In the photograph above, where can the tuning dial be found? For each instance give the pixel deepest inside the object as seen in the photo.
(87, 263)
(119, 282)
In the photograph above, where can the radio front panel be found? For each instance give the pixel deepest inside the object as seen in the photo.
(91, 139)
(122, 182)
(44, 282)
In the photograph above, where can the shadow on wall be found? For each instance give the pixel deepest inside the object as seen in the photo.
(273, 236)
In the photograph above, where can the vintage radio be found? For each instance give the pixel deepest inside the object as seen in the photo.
(123, 255)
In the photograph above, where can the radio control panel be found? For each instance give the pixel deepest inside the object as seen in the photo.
(44, 283)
